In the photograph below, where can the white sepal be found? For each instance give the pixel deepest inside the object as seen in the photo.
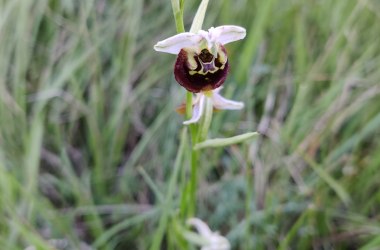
(214, 241)
(220, 102)
(198, 109)
(201, 227)
(227, 33)
(174, 44)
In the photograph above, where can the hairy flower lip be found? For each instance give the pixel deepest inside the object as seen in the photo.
(206, 76)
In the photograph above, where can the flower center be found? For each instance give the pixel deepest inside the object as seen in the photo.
(206, 56)
(205, 62)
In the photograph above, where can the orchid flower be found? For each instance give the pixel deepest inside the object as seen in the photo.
(214, 241)
(202, 64)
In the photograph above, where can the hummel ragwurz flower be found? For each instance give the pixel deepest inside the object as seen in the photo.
(202, 63)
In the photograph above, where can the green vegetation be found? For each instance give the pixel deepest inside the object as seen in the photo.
(89, 136)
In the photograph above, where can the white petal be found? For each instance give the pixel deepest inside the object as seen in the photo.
(174, 44)
(197, 111)
(227, 33)
(220, 102)
(214, 33)
(197, 98)
(201, 227)
(217, 90)
(217, 242)
(214, 241)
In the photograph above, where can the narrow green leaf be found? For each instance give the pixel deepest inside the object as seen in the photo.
(151, 184)
(222, 142)
(123, 225)
(324, 175)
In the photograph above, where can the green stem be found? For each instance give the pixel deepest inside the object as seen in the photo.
(206, 122)
(195, 27)
(198, 135)
(178, 15)
(193, 183)
(189, 104)
(190, 189)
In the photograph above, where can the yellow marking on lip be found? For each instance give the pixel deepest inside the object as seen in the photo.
(191, 63)
(200, 72)
(222, 56)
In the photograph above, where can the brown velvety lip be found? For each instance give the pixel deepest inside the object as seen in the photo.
(195, 82)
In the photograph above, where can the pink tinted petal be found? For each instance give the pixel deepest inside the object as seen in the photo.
(217, 90)
(197, 111)
(220, 102)
(174, 44)
(227, 33)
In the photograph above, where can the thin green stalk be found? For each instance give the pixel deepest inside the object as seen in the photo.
(196, 25)
(177, 6)
(200, 136)
(205, 126)
(189, 104)
(188, 189)
(193, 183)
(191, 187)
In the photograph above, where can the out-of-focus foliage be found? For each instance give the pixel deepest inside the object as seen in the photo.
(88, 132)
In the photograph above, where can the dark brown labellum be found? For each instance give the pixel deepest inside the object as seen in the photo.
(201, 72)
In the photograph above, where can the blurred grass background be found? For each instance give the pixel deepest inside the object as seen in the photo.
(88, 132)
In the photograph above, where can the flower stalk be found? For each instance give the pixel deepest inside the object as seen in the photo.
(201, 68)
(206, 122)
(177, 6)
(196, 25)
